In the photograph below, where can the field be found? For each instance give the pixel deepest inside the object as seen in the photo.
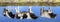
(30, 4)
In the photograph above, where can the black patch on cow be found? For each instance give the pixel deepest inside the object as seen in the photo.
(52, 15)
(33, 16)
(11, 14)
(24, 16)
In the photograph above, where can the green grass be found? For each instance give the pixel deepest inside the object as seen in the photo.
(29, 4)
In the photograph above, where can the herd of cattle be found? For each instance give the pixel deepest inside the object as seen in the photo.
(28, 15)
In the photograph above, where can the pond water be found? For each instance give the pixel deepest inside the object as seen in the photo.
(35, 9)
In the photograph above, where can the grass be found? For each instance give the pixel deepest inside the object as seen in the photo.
(30, 4)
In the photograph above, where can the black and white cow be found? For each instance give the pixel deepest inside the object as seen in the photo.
(18, 14)
(30, 14)
(25, 15)
(47, 13)
(8, 13)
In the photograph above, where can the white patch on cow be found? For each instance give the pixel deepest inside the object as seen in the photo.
(45, 14)
(7, 14)
(28, 16)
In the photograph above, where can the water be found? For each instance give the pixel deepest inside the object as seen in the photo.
(35, 9)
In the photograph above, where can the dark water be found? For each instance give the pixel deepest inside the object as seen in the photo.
(35, 9)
